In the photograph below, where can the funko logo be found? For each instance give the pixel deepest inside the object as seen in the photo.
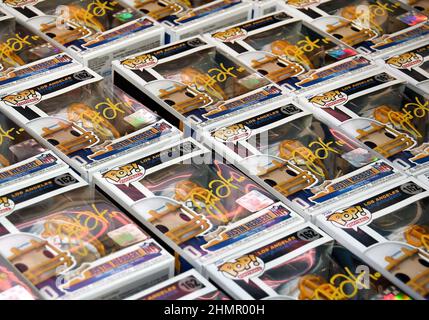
(350, 218)
(329, 99)
(140, 62)
(232, 133)
(20, 3)
(22, 99)
(407, 60)
(230, 35)
(6, 206)
(242, 268)
(125, 174)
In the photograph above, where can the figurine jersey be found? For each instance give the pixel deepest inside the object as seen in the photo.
(390, 229)
(302, 264)
(373, 27)
(195, 82)
(25, 56)
(87, 122)
(383, 112)
(187, 18)
(189, 285)
(94, 32)
(300, 158)
(71, 243)
(202, 207)
(290, 52)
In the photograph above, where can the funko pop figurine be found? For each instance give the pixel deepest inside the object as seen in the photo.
(384, 140)
(386, 115)
(184, 99)
(79, 24)
(284, 48)
(294, 150)
(192, 76)
(82, 246)
(158, 9)
(314, 287)
(417, 236)
(39, 261)
(192, 5)
(178, 223)
(19, 147)
(187, 190)
(412, 268)
(286, 178)
(8, 57)
(276, 69)
(83, 20)
(80, 112)
(19, 46)
(66, 33)
(350, 33)
(69, 138)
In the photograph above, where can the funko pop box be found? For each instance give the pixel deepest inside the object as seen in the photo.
(412, 64)
(89, 123)
(384, 112)
(301, 264)
(194, 85)
(373, 27)
(70, 242)
(94, 32)
(22, 159)
(27, 57)
(189, 285)
(187, 18)
(199, 205)
(300, 158)
(13, 286)
(390, 230)
(290, 52)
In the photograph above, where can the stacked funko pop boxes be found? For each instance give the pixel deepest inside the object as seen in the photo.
(278, 149)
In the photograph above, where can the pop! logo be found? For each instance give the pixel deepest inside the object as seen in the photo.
(232, 133)
(125, 174)
(6, 206)
(406, 61)
(22, 99)
(140, 62)
(20, 3)
(230, 35)
(351, 218)
(330, 99)
(242, 268)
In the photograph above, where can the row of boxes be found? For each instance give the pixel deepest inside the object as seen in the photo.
(315, 158)
(97, 32)
(299, 170)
